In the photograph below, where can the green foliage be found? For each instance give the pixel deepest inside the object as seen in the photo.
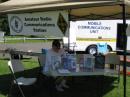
(4, 26)
(4, 0)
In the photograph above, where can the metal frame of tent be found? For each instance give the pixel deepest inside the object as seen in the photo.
(8, 7)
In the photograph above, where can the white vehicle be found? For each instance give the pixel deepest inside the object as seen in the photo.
(84, 35)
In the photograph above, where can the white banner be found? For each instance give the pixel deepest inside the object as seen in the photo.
(52, 23)
(94, 28)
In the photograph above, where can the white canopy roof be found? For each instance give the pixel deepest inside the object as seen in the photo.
(17, 6)
(96, 9)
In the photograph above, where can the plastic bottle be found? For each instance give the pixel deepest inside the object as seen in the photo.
(69, 61)
(77, 68)
(73, 64)
(64, 61)
(89, 61)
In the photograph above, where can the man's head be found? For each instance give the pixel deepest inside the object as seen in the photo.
(56, 45)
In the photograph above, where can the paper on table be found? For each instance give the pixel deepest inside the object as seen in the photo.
(63, 71)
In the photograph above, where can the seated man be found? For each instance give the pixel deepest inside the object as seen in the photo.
(53, 60)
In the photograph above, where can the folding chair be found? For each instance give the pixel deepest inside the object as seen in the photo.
(112, 58)
(41, 60)
(47, 80)
(15, 65)
(102, 48)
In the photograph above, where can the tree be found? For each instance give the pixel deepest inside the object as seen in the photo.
(3, 1)
(4, 24)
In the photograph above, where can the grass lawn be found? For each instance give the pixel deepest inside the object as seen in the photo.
(94, 86)
(24, 40)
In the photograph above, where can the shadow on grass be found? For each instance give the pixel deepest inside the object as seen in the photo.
(6, 79)
(91, 86)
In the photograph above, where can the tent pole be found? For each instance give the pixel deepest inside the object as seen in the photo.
(124, 47)
(69, 19)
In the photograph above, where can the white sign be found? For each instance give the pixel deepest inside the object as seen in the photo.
(53, 23)
(94, 28)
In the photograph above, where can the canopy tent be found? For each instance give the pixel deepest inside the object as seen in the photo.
(42, 5)
(22, 6)
(77, 8)
(102, 12)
